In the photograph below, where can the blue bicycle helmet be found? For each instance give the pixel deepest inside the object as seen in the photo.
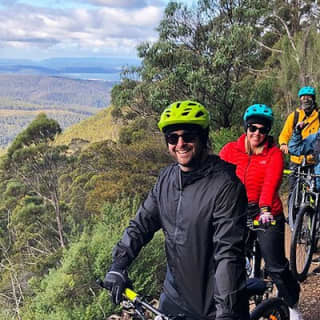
(259, 111)
(307, 91)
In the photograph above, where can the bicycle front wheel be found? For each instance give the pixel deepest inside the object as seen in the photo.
(271, 309)
(302, 242)
(293, 206)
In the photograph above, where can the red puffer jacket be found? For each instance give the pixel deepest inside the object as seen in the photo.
(261, 174)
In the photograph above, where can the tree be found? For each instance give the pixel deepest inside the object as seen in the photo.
(38, 165)
(205, 53)
(292, 40)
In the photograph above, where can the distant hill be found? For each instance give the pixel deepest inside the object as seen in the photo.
(101, 126)
(50, 90)
(68, 90)
(107, 68)
(66, 100)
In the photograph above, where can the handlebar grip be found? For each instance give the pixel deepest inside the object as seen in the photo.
(287, 171)
(130, 294)
(256, 223)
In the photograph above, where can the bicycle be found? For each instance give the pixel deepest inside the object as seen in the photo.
(306, 230)
(259, 289)
(294, 201)
(271, 309)
(255, 271)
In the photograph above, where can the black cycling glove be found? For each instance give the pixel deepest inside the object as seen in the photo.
(116, 281)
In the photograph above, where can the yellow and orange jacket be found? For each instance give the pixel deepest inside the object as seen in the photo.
(312, 126)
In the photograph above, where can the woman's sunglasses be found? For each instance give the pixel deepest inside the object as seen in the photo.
(187, 137)
(262, 130)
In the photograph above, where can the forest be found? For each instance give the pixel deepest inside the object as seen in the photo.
(64, 206)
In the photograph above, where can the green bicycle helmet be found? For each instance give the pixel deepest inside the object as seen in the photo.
(184, 112)
(307, 91)
(258, 110)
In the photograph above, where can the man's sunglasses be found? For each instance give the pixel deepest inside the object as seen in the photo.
(262, 130)
(187, 137)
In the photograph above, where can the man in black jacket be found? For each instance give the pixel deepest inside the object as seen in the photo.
(200, 205)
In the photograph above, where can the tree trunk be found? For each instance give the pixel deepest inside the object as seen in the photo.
(58, 219)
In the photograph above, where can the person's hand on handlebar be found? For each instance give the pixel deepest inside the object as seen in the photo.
(265, 217)
(116, 281)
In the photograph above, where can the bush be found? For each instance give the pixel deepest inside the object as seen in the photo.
(222, 136)
(70, 292)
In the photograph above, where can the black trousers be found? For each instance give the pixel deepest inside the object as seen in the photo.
(271, 243)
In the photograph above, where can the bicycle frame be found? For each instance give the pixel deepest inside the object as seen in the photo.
(302, 170)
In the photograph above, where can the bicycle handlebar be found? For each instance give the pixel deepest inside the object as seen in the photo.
(256, 223)
(304, 174)
(134, 301)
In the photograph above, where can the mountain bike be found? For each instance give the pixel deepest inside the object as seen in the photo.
(271, 309)
(306, 228)
(259, 289)
(294, 201)
(255, 270)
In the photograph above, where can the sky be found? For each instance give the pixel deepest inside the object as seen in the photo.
(40, 29)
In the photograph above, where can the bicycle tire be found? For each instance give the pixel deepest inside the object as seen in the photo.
(293, 206)
(255, 262)
(271, 309)
(302, 242)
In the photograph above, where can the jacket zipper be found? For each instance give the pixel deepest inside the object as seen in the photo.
(178, 207)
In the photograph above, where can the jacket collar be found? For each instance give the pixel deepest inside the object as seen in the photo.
(207, 167)
(241, 145)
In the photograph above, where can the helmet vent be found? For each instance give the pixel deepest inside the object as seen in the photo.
(185, 113)
(178, 105)
(199, 114)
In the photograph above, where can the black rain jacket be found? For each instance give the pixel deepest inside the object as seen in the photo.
(204, 223)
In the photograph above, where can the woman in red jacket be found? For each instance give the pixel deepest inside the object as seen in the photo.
(259, 165)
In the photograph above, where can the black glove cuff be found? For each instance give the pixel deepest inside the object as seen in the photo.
(122, 275)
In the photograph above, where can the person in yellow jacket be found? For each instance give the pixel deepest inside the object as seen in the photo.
(309, 115)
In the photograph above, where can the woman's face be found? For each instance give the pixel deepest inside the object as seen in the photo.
(256, 134)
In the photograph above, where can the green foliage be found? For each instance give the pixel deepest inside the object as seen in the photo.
(70, 291)
(63, 209)
(220, 137)
(102, 126)
(138, 130)
(40, 130)
(203, 53)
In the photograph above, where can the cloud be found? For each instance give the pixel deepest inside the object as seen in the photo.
(100, 29)
(128, 4)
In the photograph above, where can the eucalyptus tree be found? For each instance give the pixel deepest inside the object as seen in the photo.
(291, 39)
(206, 52)
(35, 162)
